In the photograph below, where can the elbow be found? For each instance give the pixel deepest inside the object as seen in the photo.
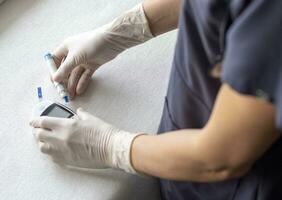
(227, 171)
(231, 172)
(221, 167)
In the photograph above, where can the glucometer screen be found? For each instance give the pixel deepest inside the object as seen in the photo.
(57, 111)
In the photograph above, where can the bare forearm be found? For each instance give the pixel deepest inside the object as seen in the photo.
(162, 15)
(175, 155)
(225, 148)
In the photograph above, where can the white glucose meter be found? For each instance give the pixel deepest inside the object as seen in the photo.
(52, 109)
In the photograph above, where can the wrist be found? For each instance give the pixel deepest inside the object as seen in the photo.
(129, 29)
(121, 151)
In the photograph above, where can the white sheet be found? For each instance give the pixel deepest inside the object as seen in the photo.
(127, 92)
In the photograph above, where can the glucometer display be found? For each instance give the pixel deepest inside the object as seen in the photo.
(56, 110)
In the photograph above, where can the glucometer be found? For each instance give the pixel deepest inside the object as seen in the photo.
(52, 109)
(57, 110)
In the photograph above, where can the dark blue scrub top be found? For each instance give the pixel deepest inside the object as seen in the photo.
(245, 38)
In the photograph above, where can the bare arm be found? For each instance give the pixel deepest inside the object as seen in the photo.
(241, 128)
(162, 15)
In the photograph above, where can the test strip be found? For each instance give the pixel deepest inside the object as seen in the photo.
(39, 93)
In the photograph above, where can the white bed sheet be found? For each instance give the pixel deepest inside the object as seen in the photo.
(127, 92)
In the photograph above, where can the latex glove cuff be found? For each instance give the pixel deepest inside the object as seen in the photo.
(121, 151)
(129, 29)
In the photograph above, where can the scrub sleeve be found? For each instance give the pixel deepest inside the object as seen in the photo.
(245, 38)
(253, 54)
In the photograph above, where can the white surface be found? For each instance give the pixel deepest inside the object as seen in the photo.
(132, 86)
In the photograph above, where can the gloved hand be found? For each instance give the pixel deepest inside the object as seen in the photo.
(84, 141)
(79, 56)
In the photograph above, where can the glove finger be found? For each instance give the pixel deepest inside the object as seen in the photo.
(45, 122)
(65, 69)
(41, 135)
(58, 160)
(82, 114)
(51, 78)
(34, 130)
(74, 79)
(60, 53)
(58, 63)
(45, 148)
(84, 81)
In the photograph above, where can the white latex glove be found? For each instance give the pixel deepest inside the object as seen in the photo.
(79, 56)
(84, 141)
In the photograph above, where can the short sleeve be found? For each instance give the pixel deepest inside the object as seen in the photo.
(252, 60)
